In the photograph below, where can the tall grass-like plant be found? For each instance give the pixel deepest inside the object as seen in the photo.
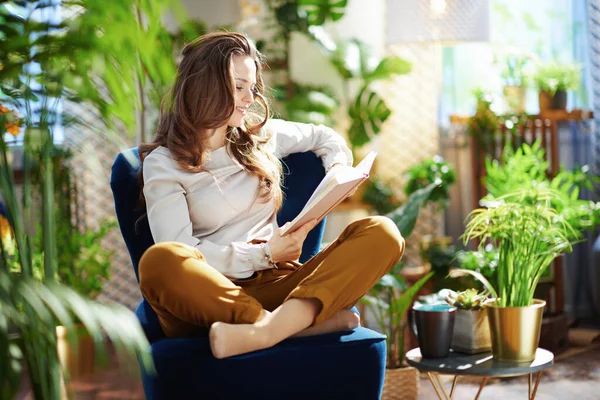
(105, 54)
(528, 233)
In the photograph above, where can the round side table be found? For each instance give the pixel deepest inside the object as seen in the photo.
(482, 364)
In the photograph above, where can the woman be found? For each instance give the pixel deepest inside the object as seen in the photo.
(212, 187)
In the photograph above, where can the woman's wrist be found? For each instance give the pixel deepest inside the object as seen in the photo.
(267, 255)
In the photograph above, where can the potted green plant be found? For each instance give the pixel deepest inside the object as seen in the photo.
(428, 171)
(471, 327)
(380, 196)
(554, 79)
(437, 252)
(389, 301)
(524, 168)
(484, 125)
(483, 260)
(46, 65)
(515, 71)
(528, 233)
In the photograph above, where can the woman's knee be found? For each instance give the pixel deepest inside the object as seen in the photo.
(384, 233)
(160, 262)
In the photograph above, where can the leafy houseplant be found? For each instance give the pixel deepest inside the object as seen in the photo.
(515, 68)
(436, 251)
(528, 233)
(103, 55)
(366, 111)
(483, 261)
(297, 102)
(554, 79)
(483, 126)
(380, 196)
(525, 169)
(83, 262)
(424, 173)
(516, 73)
(390, 299)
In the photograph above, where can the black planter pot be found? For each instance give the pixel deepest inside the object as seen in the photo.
(559, 100)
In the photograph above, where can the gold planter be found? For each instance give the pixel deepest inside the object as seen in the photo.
(401, 384)
(515, 97)
(516, 331)
(471, 332)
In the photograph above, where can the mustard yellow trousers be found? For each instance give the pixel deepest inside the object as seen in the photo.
(188, 294)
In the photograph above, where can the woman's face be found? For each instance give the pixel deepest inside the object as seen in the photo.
(244, 76)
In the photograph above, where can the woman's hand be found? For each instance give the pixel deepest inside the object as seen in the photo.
(289, 247)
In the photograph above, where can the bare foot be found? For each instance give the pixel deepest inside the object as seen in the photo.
(345, 320)
(227, 340)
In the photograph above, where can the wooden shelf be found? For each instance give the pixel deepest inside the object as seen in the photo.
(563, 115)
(556, 115)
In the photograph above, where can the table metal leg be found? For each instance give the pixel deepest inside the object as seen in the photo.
(453, 386)
(537, 382)
(438, 386)
(481, 386)
(432, 379)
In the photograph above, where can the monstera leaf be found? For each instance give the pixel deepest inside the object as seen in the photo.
(319, 11)
(368, 113)
(309, 104)
(352, 59)
(387, 68)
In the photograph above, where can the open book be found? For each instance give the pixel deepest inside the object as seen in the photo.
(333, 189)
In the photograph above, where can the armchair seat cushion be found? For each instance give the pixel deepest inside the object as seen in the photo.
(330, 366)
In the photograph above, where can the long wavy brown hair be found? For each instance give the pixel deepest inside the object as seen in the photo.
(202, 99)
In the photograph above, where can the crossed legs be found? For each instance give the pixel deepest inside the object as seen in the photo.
(315, 298)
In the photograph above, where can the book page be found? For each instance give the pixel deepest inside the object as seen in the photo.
(344, 172)
(367, 162)
(333, 189)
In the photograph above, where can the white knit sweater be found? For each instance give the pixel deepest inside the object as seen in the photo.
(215, 211)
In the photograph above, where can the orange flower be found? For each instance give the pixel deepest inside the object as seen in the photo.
(3, 110)
(13, 128)
(5, 228)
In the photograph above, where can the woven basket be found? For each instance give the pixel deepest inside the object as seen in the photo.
(401, 383)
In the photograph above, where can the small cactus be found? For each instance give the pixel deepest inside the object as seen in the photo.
(469, 299)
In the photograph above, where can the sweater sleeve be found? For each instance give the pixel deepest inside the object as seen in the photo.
(295, 137)
(169, 220)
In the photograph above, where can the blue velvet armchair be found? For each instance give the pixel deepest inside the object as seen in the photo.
(348, 365)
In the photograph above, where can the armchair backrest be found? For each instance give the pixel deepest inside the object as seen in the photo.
(302, 173)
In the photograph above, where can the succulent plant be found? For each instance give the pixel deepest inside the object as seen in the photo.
(469, 299)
